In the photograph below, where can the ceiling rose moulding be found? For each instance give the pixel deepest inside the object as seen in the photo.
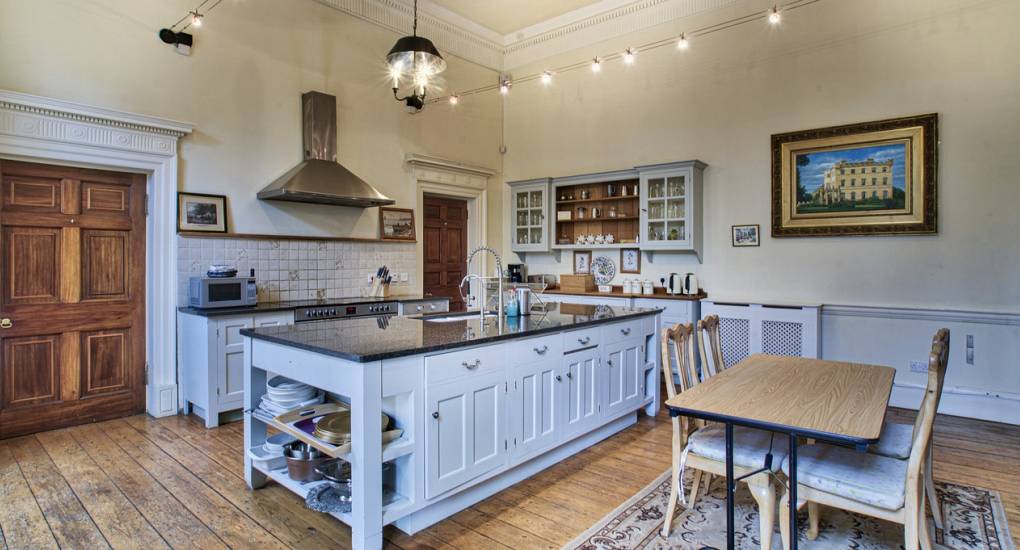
(540, 41)
(448, 37)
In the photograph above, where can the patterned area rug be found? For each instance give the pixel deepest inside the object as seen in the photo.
(975, 519)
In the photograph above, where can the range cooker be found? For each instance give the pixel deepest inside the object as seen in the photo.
(342, 308)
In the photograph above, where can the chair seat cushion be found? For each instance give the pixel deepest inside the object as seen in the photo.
(863, 477)
(749, 446)
(895, 441)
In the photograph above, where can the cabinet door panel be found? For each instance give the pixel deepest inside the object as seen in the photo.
(539, 403)
(230, 370)
(583, 391)
(623, 376)
(466, 436)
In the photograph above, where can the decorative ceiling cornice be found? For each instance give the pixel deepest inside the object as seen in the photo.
(473, 42)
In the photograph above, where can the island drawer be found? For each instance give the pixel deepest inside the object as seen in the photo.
(458, 364)
(580, 339)
(531, 350)
(622, 331)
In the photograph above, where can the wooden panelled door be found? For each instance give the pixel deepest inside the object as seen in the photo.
(72, 306)
(445, 243)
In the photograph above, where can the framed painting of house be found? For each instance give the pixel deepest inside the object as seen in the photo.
(874, 178)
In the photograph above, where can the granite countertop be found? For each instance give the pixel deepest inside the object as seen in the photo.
(660, 294)
(288, 305)
(375, 338)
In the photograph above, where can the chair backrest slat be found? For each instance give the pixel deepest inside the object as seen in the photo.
(937, 362)
(677, 342)
(712, 360)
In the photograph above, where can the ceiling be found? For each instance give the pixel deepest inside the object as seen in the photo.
(507, 16)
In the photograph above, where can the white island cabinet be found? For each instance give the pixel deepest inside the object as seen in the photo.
(480, 406)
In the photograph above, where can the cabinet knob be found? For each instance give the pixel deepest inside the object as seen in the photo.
(435, 415)
(472, 366)
(609, 362)
(6, 323)
(560, 378)
(583, 341)
(625, 331)
(570, 375)
(542, 350)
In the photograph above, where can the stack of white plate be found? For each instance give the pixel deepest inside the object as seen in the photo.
(284, 394)
(270, 455)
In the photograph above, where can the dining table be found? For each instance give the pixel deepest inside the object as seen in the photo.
(831, 401)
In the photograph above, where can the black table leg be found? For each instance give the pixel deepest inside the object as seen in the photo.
(793, 491)
(730, 485)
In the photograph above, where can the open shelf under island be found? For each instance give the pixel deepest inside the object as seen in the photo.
(481, 406)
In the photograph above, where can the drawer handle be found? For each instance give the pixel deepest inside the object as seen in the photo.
(542, 350)
(472, 366)
(584, 341)
(560, 378)
(625, 331)
(435, 415)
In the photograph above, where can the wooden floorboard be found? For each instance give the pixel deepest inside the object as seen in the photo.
(176, 483)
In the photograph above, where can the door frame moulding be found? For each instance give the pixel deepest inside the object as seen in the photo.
(448, 178)
(52, 131)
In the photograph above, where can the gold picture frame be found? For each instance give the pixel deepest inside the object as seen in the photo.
(873, 178)
(396, 224)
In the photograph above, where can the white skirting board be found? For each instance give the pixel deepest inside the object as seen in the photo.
(987, 389)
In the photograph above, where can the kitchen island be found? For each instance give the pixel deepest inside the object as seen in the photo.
(481, 405)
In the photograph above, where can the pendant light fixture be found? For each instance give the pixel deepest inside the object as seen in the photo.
(417, 58)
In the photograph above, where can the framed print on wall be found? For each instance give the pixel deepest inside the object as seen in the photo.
(630, 260)
(745, 235)
(396, 224)
(582, 262)
(873, 178)
(201, 212)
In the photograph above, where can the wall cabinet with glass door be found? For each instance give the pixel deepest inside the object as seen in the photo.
(671, 206)
(529, 217)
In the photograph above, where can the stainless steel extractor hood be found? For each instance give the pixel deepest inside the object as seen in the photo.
(320, 179)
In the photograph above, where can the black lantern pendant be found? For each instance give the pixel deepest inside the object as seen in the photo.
(417, 58)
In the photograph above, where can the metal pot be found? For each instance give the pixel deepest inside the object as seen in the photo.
(302, 460)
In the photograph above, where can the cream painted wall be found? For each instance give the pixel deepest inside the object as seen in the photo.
(241, 88)
(834, 62)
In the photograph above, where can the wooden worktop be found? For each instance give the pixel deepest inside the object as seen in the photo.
(847, 400)
(660, 294)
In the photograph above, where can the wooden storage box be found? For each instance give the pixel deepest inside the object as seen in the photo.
(577, 283)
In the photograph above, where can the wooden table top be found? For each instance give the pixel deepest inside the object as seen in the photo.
(815, 398)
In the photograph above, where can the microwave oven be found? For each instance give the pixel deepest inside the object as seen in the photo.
(212, 292)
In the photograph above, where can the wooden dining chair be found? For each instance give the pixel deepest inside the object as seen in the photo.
(868, 483)
(703, 448)
(897, 437)
(712, 349)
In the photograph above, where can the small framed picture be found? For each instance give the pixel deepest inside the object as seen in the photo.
(396, 224)
(745, 235)
(630, 260)
(201, 212)
(582, 262)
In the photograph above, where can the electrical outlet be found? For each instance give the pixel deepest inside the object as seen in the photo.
(371, 276)
(918, 366)
(403, 277)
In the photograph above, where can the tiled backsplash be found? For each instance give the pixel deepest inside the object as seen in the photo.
(289, 269)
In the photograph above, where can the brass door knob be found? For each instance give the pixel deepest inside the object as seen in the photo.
(6, 323)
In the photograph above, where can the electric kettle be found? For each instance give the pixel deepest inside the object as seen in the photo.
(674, 283)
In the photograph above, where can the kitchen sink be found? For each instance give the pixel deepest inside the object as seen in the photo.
(451, 318)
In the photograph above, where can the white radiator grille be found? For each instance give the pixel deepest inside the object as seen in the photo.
(782, 338)
(734, 336)
(746, 329)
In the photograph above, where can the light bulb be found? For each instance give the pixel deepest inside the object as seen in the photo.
(504, 87)
(596, 65)
(683, 44)
(628, 56)
(546, 77)
(196, 19)
(454, 100)
(774, 16)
